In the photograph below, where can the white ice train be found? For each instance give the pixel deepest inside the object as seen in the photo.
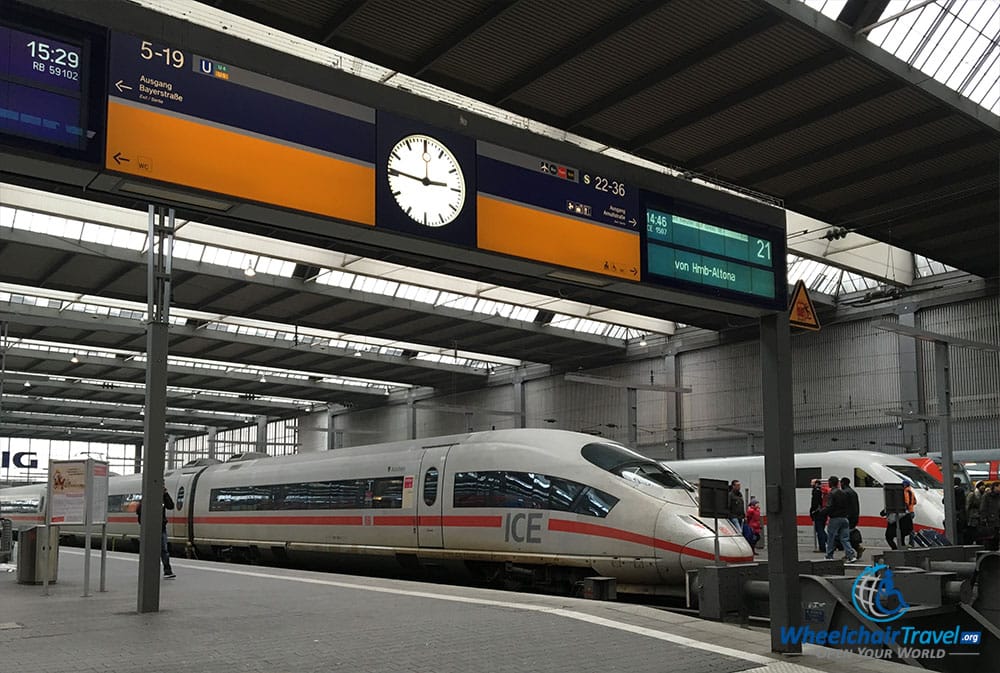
(534, 506)
(867, 470)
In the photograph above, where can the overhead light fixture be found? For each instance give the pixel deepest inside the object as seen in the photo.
(75, 360)
(642, 342)
(249, 272)
(174, 195)
(27, 384)
(263, 379)
(593, 281)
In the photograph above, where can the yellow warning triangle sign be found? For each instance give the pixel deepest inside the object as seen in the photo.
(802, 313)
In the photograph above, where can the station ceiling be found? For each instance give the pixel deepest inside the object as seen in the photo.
(765, 96)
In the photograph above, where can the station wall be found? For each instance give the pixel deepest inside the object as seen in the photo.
(846, 386)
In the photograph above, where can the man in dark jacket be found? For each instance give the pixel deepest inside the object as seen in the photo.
(839, 527)
(168, 503)
(853, 514)
(816, 506)
(737, 510)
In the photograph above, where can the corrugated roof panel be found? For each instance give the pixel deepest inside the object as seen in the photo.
(839, 126)
(311, 13)
(875, 152)
(388, 26)
(797, 96)
(630, 54)
(904, 175)
(704, 83)
(522, 37)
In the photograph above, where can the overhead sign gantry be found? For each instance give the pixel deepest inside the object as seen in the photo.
(171, 114)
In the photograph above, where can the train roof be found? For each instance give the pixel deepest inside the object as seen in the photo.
(811, 456)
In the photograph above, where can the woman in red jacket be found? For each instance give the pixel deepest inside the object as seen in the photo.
(754, 522)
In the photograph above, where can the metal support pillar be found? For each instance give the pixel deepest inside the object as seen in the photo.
(212, 443)
(911, 394)
(519, 401)
(942, 382)
(260, 446)
(160, 249)
(678, 415)
(632, 412)
(331, 419)
(171, 451)
(779, 479)
(411, 410)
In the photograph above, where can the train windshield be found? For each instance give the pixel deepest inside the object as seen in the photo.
(631, 465)
(916, 475)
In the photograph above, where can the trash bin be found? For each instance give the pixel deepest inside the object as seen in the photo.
(6, 541)
(32, 547)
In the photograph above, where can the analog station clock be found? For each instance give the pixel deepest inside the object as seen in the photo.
(426, 180)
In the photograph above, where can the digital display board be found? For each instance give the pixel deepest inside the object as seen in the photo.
(536, 208)
(47, 79)
(690, 246)
(184, 118)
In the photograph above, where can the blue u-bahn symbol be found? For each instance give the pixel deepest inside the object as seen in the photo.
(206, 66)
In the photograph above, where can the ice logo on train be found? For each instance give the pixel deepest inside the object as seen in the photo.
(875, 596)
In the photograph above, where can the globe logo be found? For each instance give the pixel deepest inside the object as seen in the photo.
(875, 597)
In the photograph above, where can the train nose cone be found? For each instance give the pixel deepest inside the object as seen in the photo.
(701, 552)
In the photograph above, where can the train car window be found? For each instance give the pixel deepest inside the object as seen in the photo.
(609, 456)
(347, 494)
(520, 490)
(540, 487)
(619, 460)
(21, 505)
(127, 502)
(865, 480)
(179, 503)
(312, 495)
(431, 486)
(387, 493)
(240, 499)
(916, 475)
(595, 503)
(804, 476)
(562, 493)
(478, 489)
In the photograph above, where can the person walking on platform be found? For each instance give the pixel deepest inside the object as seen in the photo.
(816, 505)
(891, 528)
(737, 508)
(961, 521)
(839, 528)
(168, 503)
(906, 518)
(853, 514)
(973, 502)
(754, 522)
(989, 517)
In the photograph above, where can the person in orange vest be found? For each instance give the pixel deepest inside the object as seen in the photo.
(906, 519)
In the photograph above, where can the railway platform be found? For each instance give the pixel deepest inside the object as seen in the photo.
(224, 617)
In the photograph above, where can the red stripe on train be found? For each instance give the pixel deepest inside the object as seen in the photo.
(473, 521)
(597, 530)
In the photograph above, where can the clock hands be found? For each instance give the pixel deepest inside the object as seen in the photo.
(424, 180)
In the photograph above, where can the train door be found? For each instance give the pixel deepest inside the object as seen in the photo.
(180, 487)
(431, 497)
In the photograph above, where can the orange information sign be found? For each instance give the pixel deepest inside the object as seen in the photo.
(802, 313)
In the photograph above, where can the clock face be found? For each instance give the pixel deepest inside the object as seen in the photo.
(426, 180)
